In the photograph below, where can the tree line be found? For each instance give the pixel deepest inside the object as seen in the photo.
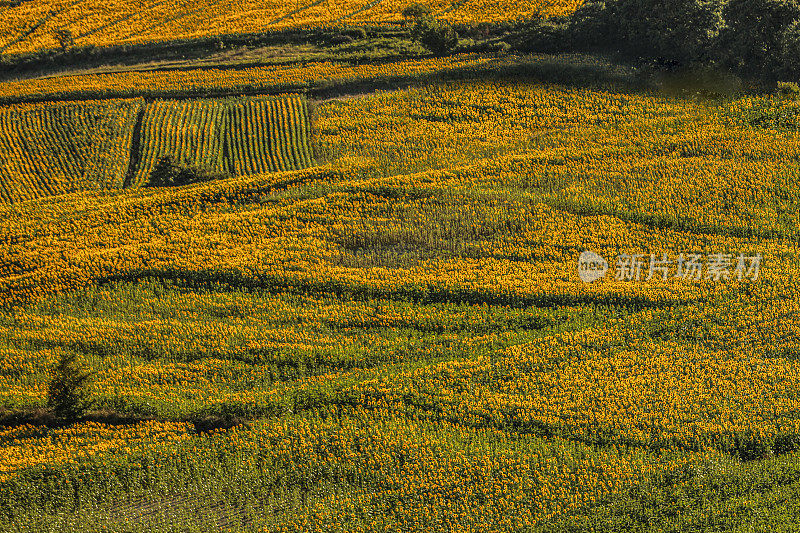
(755, 38)
(758, 38)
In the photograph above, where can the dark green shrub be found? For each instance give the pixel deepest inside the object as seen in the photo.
(437, 36)
(169, 173)
(165, 173)
(68, 393)
(358, 33)
(416, 11)
(340, 39)
(546, 36)
(65, 39)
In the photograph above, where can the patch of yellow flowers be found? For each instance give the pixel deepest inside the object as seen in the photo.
(32, 25)
(28, 446)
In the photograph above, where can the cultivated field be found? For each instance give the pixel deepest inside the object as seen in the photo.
(372, 319)
(31, 25)
(54, 148)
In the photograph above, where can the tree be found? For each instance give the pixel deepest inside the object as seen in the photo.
(168, 172)
(541, 35)
(68, 391)
(590, 26)
(791, 50)
(416, 11)
(65, 39)
(673, 32)
(437, 36)
(755, 33)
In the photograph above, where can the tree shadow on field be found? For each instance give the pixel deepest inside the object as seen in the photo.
(569, 70)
